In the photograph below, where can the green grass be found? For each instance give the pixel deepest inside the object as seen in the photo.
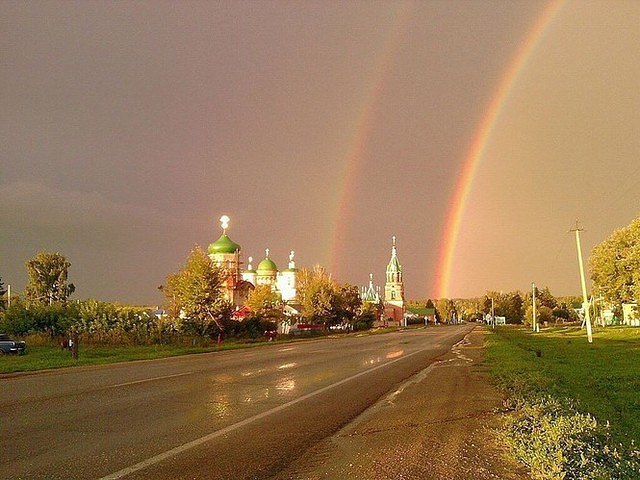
(604, 377)
(44, 357)
(574, 406)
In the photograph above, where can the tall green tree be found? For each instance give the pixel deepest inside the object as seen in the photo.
(266, 304)
(510, 305)
(48, 274)
(317, 294)
(195, 292)
(447, 309)
(546, 298)
(349, 303)
(615, 265)
(263, 299)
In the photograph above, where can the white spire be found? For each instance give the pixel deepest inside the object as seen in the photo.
(394, 250)
(292, 263)
(266, 251)
(249, 265)
(371, 280)
(224, 223)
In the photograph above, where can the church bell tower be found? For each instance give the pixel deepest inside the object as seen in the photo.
(394, 286)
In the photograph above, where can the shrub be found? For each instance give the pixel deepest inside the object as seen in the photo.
(555, 441)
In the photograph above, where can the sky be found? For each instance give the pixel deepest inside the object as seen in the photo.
(128, 128)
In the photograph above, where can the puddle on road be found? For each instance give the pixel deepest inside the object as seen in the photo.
(460, 359)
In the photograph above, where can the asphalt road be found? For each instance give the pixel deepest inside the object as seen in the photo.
(234, 414)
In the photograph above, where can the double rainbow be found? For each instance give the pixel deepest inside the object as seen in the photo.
(364, 124)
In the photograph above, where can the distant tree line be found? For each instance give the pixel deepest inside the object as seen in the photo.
(515, 306)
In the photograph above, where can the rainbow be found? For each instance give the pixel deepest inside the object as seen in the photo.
(477, 148)
(361, 132)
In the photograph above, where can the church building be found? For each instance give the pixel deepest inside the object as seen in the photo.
(226, 254)
(393, 302)
(394, 307)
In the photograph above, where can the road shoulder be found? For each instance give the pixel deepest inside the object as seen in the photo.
(436, 425)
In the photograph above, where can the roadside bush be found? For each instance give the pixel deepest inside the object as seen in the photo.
(556, 441)
(415, 321)
(250, 328)
(21, 320)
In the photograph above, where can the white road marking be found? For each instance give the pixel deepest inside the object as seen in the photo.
(147, 380)
(199, 441)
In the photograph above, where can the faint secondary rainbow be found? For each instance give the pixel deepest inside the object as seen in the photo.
(363, 125)
(477, 148)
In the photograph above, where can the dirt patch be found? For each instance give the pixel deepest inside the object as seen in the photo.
(437, 425)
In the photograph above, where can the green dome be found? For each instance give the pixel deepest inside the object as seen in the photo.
(267, 265)
(224, 245)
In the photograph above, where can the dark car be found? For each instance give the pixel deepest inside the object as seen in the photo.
(8, 346)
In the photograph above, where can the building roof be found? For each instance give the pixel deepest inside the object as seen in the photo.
(223, 245)
(267, 266)
(394, 265)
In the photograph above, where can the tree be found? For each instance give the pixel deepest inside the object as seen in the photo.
(546, 299)
(195, 292)
(509, 305)
(47, 284)
(615, 265)
(317, 293)
(263, 299)
(544, 315)
(447, 309)
(369, 313)
(266, 305)
(349, 303)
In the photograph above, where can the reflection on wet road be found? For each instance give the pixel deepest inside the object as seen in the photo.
(101, 420)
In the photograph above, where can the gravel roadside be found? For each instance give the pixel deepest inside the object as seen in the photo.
(437, 425)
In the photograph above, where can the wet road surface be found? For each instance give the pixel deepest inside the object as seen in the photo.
(233, 414)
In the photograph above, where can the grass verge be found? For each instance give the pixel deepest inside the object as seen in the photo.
(42, 357)
(575, 408)
(48, 356)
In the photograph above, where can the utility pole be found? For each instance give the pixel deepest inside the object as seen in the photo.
(533, 302)
(9, 295)
(585, 301)
(493, 315)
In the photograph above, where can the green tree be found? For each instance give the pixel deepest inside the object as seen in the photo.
(446, 308)
(546, 299)
(505, 304)
(317, 293)
(615, 265)
(369, 313)
(543, 315)
(263, 298)
(266, 304)
(195, 292)
(349, 303)
(48, 274)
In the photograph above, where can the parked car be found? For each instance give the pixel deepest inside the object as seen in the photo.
(8, 346)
